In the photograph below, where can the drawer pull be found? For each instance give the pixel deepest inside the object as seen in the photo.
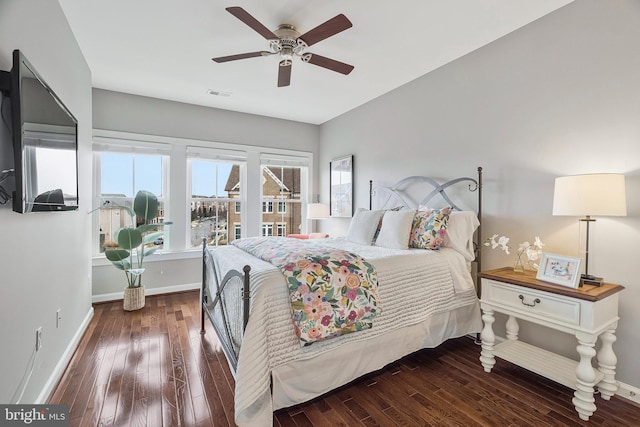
(535, 301)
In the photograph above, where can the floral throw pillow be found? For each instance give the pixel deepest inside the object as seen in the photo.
(429, 228)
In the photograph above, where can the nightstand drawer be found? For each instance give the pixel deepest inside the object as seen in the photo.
(532, 302)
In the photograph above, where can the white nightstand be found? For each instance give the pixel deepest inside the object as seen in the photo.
(588, 313)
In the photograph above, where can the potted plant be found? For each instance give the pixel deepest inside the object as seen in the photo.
(133, 246)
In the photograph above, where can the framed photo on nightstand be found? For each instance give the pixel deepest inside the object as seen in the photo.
(560, 269)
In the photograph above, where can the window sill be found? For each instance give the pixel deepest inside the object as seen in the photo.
(101, 260)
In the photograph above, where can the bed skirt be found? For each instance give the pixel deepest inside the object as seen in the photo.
(302, 380)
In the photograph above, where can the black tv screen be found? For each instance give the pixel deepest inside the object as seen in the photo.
(45, 143)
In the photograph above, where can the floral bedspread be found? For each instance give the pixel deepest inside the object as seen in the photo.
(332, 292)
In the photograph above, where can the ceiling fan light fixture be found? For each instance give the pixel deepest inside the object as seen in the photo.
(275, 46)
(286, 53)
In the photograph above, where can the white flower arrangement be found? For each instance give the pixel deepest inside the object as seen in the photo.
(532, 251)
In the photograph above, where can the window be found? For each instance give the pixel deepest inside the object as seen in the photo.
(267, 230)
(216, 175)
(282, 186)
(215, 187)
(121, 176)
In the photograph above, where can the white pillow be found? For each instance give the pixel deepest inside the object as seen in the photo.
(395, 230)
(363, 226)
(460, 229)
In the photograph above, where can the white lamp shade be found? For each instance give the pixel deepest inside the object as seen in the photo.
(594, 194)
(317, 211)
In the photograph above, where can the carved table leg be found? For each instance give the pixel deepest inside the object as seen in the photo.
(488, 340)
(586, 376)
(607, 364)
(512, 328)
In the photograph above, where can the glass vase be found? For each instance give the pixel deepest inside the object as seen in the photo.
(518, 266)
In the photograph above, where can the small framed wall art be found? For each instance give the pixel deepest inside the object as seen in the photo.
(341, 186)
(559, 269)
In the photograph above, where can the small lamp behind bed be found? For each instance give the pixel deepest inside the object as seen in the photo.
(317, 211)
(314, 211)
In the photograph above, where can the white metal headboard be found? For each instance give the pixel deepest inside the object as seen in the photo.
(397, 196)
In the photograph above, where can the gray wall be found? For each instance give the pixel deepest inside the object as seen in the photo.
(139, 114)
(116, 111)
(43, 256)
(560, 96)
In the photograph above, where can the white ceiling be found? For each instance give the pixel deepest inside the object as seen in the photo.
(163, 48)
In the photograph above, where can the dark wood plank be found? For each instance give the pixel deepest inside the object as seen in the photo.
(94, 386)
(153, 368)
(73, 374)
(169, 399)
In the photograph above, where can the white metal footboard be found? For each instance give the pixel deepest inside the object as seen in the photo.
(226, 303)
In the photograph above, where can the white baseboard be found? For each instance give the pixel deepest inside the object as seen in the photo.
(148, 291)
(628, 392)
(64, 360)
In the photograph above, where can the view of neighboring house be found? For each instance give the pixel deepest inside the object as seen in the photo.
(219, 219)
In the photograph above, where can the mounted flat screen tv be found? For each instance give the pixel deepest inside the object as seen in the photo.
(45, 143)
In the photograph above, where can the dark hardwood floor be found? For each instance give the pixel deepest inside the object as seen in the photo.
(153, 368)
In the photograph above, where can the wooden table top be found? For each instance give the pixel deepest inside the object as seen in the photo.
(528, 279)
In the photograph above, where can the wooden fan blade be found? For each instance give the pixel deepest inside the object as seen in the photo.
(284, 73)
(328, 63)
(332, 27)
(239, 56)
(252, 22)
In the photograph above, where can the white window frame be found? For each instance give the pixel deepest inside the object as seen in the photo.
(284, 207)
(214, 156)
(140, 147)
(270, 160)
(178, 209)
(237, 227)
(281, 226)
(267, 207)
(266, 227)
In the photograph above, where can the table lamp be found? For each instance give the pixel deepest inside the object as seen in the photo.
(317, 211)
(590, 195)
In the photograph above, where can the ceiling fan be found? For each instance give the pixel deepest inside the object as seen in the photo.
(288, 43)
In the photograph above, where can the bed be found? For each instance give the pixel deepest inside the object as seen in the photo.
(424, 297)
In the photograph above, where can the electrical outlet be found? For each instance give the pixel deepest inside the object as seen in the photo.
(39, 338)
(58, 317)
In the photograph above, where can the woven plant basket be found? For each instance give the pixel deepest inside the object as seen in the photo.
(133, 298)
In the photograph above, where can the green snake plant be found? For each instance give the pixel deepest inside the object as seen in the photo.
(132, 241)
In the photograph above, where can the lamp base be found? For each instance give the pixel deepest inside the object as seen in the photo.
(588, 279)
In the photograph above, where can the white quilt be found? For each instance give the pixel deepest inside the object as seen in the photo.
(413, 285)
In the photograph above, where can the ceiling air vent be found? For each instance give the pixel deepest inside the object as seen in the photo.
(218, 92)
